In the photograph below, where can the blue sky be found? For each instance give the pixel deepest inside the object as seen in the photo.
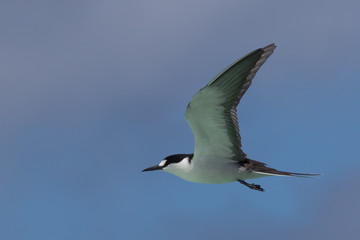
(92, 92)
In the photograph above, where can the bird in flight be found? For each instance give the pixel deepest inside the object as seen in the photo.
(212, 116)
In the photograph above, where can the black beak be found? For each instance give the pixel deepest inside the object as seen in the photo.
(153, 168)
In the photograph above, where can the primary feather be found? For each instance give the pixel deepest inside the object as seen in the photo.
(212, 113)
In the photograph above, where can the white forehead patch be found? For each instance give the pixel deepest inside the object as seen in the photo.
(162, 163)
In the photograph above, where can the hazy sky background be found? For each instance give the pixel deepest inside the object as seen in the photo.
(92, 92)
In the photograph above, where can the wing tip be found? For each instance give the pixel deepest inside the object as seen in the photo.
(270, 46)
(267, 52)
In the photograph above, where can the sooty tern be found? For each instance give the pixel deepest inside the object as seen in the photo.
(212, 116)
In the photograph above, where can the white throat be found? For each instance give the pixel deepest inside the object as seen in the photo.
(182, 166)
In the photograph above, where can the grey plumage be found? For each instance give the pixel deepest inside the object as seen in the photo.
(212, 116)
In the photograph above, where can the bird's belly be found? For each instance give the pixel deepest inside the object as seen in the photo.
(215, 173)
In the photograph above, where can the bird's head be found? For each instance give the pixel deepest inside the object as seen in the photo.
(177, 161)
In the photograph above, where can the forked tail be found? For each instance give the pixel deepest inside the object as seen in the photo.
(261, 168)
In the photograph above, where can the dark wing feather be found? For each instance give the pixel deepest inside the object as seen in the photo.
(212, 112)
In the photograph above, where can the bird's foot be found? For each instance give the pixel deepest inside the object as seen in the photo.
(252, 185)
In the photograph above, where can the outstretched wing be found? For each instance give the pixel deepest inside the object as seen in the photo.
(212, 115)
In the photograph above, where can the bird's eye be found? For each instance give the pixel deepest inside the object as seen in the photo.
(162, 163)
